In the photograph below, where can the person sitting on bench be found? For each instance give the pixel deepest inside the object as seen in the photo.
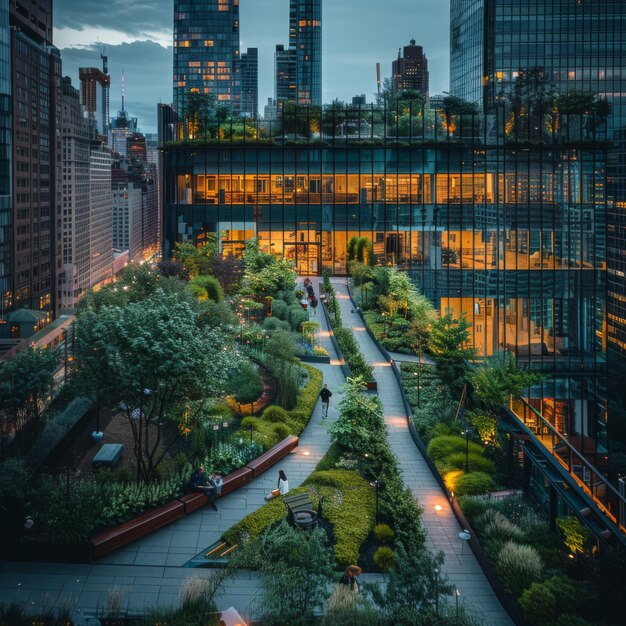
(200, 481)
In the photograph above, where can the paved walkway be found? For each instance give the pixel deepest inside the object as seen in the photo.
(149, 572)
(440, 523)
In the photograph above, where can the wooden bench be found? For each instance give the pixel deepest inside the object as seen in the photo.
(273, 455)
(135, 529)
(108, 455)
(197, 499)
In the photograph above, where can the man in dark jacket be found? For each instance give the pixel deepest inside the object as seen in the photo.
(325, 395)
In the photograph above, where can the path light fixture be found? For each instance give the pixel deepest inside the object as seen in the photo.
(467, 433)
(465, 535)
(457, 593)
(376, 485)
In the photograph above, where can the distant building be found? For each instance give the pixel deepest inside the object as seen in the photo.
(270, 111)
(410, 70)
(298, 69)
(284, 75)
(122, 127)
(250, 83)
(86, 201)
(206, 51)
(127, 208)
(94, 95)
(359, 101)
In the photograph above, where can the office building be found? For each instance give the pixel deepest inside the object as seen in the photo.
(95, 86)
(127, 210)
(410, 70)
(284, 75)
(359, 101)
(305, 39)
(86, 202)
(206, 51)
(298, 68)
(250, 83)
(565, 46)
(75, 145)
(6, 129)
(270, 111)
(100, 213)
(512, 239)
(36, 107)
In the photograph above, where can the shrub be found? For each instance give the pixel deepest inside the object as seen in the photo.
(297, 316)
(207, 288)
(279, 310)
(474, 484)
(251, 422)
(273, 323)
(385, 558)
(275, 414)
(440, 448)
(281, 431)
(518, 567)
(494, 525)
(472, 507)
(538, 604)
(281, 344)
(476, 462)
(352, 353)
(384, 533)
(575, 534)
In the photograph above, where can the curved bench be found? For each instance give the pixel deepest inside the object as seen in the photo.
(136, 528)
(115, 538)
(273, 455)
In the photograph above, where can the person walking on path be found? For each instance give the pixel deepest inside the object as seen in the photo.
(325, 395)
(349, 578)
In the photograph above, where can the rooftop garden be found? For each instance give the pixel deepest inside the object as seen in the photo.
(189, 363)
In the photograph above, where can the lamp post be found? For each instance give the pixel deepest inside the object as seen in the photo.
(251, 431)
(436, 592)
(384, 316)
(457, 593)
(467, 432)
(376, 485)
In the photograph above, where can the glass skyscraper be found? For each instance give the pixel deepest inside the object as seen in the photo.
(250, 83)
(574, 46)
(6, 223)
(206, 51)
(298, 69)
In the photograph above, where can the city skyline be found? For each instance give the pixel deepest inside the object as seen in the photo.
(144, 51)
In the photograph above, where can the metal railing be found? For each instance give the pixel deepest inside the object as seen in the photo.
(587, 476)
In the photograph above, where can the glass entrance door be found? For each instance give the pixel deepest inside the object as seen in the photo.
(306, 256)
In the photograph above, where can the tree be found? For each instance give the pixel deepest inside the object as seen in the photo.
(246, 385)
(197, 261)
(156, 357)
(498, 379)
(449, 339)
(297, 569)
(228, 270)
(413, 588)
(25, 383)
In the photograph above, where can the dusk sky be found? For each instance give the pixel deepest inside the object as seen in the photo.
(137, 36)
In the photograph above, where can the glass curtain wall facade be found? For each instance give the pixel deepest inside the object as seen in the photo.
(509, 233)
(206, 51)
(578, 47)
(6, 222)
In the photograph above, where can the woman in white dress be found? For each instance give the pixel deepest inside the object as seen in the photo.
(283, 483)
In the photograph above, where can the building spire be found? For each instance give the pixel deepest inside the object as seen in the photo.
(123, 90)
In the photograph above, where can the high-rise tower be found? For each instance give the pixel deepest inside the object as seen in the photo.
(299, 68)
(36, 105)
(250, 83)
(206, 51)
(6, 234)
(94, 94)
(410, 70)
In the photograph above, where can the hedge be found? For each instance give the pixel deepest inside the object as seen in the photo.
(440, 448)
(275, 423)
(352, 353)
(348, 504)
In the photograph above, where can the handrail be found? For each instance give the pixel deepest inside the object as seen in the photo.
(592, 468)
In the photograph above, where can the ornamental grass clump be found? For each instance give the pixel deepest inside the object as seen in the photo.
(518, 566)
(495, 525)
(385, 558)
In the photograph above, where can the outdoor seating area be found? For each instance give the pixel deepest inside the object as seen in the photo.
(301, 510)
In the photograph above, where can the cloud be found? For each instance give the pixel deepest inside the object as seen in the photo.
(134, 17)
